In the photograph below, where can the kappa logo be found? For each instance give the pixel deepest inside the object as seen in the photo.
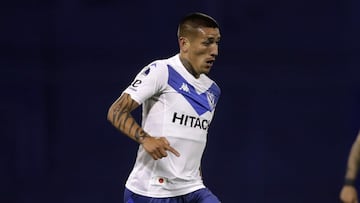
(184, 87)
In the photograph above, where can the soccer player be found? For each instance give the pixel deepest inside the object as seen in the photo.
(348, 192)
(178, 102)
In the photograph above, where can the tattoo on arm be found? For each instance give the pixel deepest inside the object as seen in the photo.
(140, 135)
(123, 120)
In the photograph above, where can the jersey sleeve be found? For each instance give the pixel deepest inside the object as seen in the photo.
(149, 81)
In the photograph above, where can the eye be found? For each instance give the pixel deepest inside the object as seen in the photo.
(209, 42)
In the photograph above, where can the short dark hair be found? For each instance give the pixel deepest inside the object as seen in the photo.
(193, 21)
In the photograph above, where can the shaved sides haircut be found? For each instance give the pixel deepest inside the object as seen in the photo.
(190, 23)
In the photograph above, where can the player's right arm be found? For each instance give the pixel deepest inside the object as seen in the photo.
(119, 115)
(348, 192)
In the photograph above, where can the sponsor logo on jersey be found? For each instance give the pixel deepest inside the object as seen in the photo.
(190, 121)
(136, 83)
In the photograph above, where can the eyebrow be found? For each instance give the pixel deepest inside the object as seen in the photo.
(212, 38)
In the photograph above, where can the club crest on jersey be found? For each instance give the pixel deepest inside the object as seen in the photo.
(211, 99)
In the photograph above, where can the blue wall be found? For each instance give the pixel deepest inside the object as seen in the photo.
(289, 111)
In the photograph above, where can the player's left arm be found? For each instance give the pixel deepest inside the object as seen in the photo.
(119, 115)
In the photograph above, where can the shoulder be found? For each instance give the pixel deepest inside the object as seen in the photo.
(161, 63)
(155, 67)
(159, 66)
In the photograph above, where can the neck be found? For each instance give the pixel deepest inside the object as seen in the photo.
(189, 67)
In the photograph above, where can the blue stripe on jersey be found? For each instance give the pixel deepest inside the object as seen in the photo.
(200, 102)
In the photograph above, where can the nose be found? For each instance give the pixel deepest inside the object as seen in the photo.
(214, 50)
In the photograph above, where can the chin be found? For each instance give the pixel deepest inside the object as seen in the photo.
(206, 71)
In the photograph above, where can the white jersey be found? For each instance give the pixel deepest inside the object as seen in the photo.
(180, 107)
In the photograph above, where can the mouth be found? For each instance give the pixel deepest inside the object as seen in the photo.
(210, 62)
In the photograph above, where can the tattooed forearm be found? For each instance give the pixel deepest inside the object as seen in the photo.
(140, 135)
(131, 127)
(122, 109)
(119, 115)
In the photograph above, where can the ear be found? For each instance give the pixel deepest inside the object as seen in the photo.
(184, 44)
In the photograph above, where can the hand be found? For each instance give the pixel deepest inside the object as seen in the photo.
(348, 194)
(157, 147)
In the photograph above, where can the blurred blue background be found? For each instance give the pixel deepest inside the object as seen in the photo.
(289, 111)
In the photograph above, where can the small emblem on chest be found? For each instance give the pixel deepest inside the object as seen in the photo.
(184, 87)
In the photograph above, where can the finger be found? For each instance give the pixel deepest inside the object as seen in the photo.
(154, 156)
(158, 154)
(165, 140)
(163, 152)
(172, 150)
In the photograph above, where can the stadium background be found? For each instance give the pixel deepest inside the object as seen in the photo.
(289, 111)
